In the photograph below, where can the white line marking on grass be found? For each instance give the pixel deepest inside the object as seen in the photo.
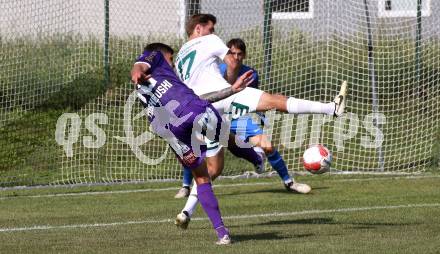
(233, 217)
(92, 193)
(382, 178)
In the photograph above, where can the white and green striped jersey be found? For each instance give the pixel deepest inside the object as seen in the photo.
(197, 64)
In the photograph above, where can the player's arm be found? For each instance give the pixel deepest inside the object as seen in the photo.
(147, 61)
(138, 73)
(240, 84)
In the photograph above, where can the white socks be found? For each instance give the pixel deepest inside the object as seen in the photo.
(192, 201)
(299, 106)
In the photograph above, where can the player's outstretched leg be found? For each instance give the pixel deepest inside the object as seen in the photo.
(186, 183)
(298, 106)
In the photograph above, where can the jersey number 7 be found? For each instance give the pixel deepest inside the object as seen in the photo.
(182, 63)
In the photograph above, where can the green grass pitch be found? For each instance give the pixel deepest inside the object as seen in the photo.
(343, 214)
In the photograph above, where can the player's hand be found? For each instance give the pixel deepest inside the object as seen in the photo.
(243, 81)
(138, 77)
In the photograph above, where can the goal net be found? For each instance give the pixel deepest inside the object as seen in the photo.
(68, 114)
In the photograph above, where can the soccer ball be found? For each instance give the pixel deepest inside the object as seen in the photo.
(317, 159)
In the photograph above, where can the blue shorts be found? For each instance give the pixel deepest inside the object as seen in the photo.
(245, 128)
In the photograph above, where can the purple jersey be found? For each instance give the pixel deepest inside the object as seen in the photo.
(174, 109)
(164, 86)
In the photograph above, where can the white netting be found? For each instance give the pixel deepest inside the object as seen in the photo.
(54, 61)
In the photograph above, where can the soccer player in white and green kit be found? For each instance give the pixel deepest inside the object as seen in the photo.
(197, 65)
(248, 131)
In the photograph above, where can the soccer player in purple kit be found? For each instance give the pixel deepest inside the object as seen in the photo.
(175, 112)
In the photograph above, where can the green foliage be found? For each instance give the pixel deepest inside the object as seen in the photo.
(76, 94)
(29, 154)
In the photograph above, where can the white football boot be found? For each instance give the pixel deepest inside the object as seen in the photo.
(182, 193)
(341, 100)
(300, 188)
(225, 240)
(182, 220)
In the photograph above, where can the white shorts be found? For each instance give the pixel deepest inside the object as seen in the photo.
(212, 148)
(239, 104)
(234, 106)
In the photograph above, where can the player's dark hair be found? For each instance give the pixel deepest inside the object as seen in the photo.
(237, 43)
(157, 46)
(197, 19)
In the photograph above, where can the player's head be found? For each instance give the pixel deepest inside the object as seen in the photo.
(237, 48)
(200, 25)
(166, 50)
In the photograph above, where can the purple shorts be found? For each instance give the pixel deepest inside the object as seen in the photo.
(186, 131)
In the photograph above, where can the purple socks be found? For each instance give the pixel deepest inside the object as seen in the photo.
(210, 205)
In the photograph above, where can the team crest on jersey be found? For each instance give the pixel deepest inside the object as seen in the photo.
(151, 56)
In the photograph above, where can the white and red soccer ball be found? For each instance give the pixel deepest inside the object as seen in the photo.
(317, 159)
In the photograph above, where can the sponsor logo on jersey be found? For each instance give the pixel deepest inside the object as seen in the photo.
(237, 110)
(151, 56)
(189, 158)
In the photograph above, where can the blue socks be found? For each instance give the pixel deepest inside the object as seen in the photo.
(278, 164)
(187, 177)
(274, 159)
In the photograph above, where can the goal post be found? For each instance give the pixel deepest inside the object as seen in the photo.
(68, 115)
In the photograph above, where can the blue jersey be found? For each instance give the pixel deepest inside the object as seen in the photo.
(165, 86)
(243, 69)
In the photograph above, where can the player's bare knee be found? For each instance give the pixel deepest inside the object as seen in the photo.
(215, 165)
(217, 174)
(214, 171)
(274, 101)
(201, 174)
(202, 179)
(268, 149)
